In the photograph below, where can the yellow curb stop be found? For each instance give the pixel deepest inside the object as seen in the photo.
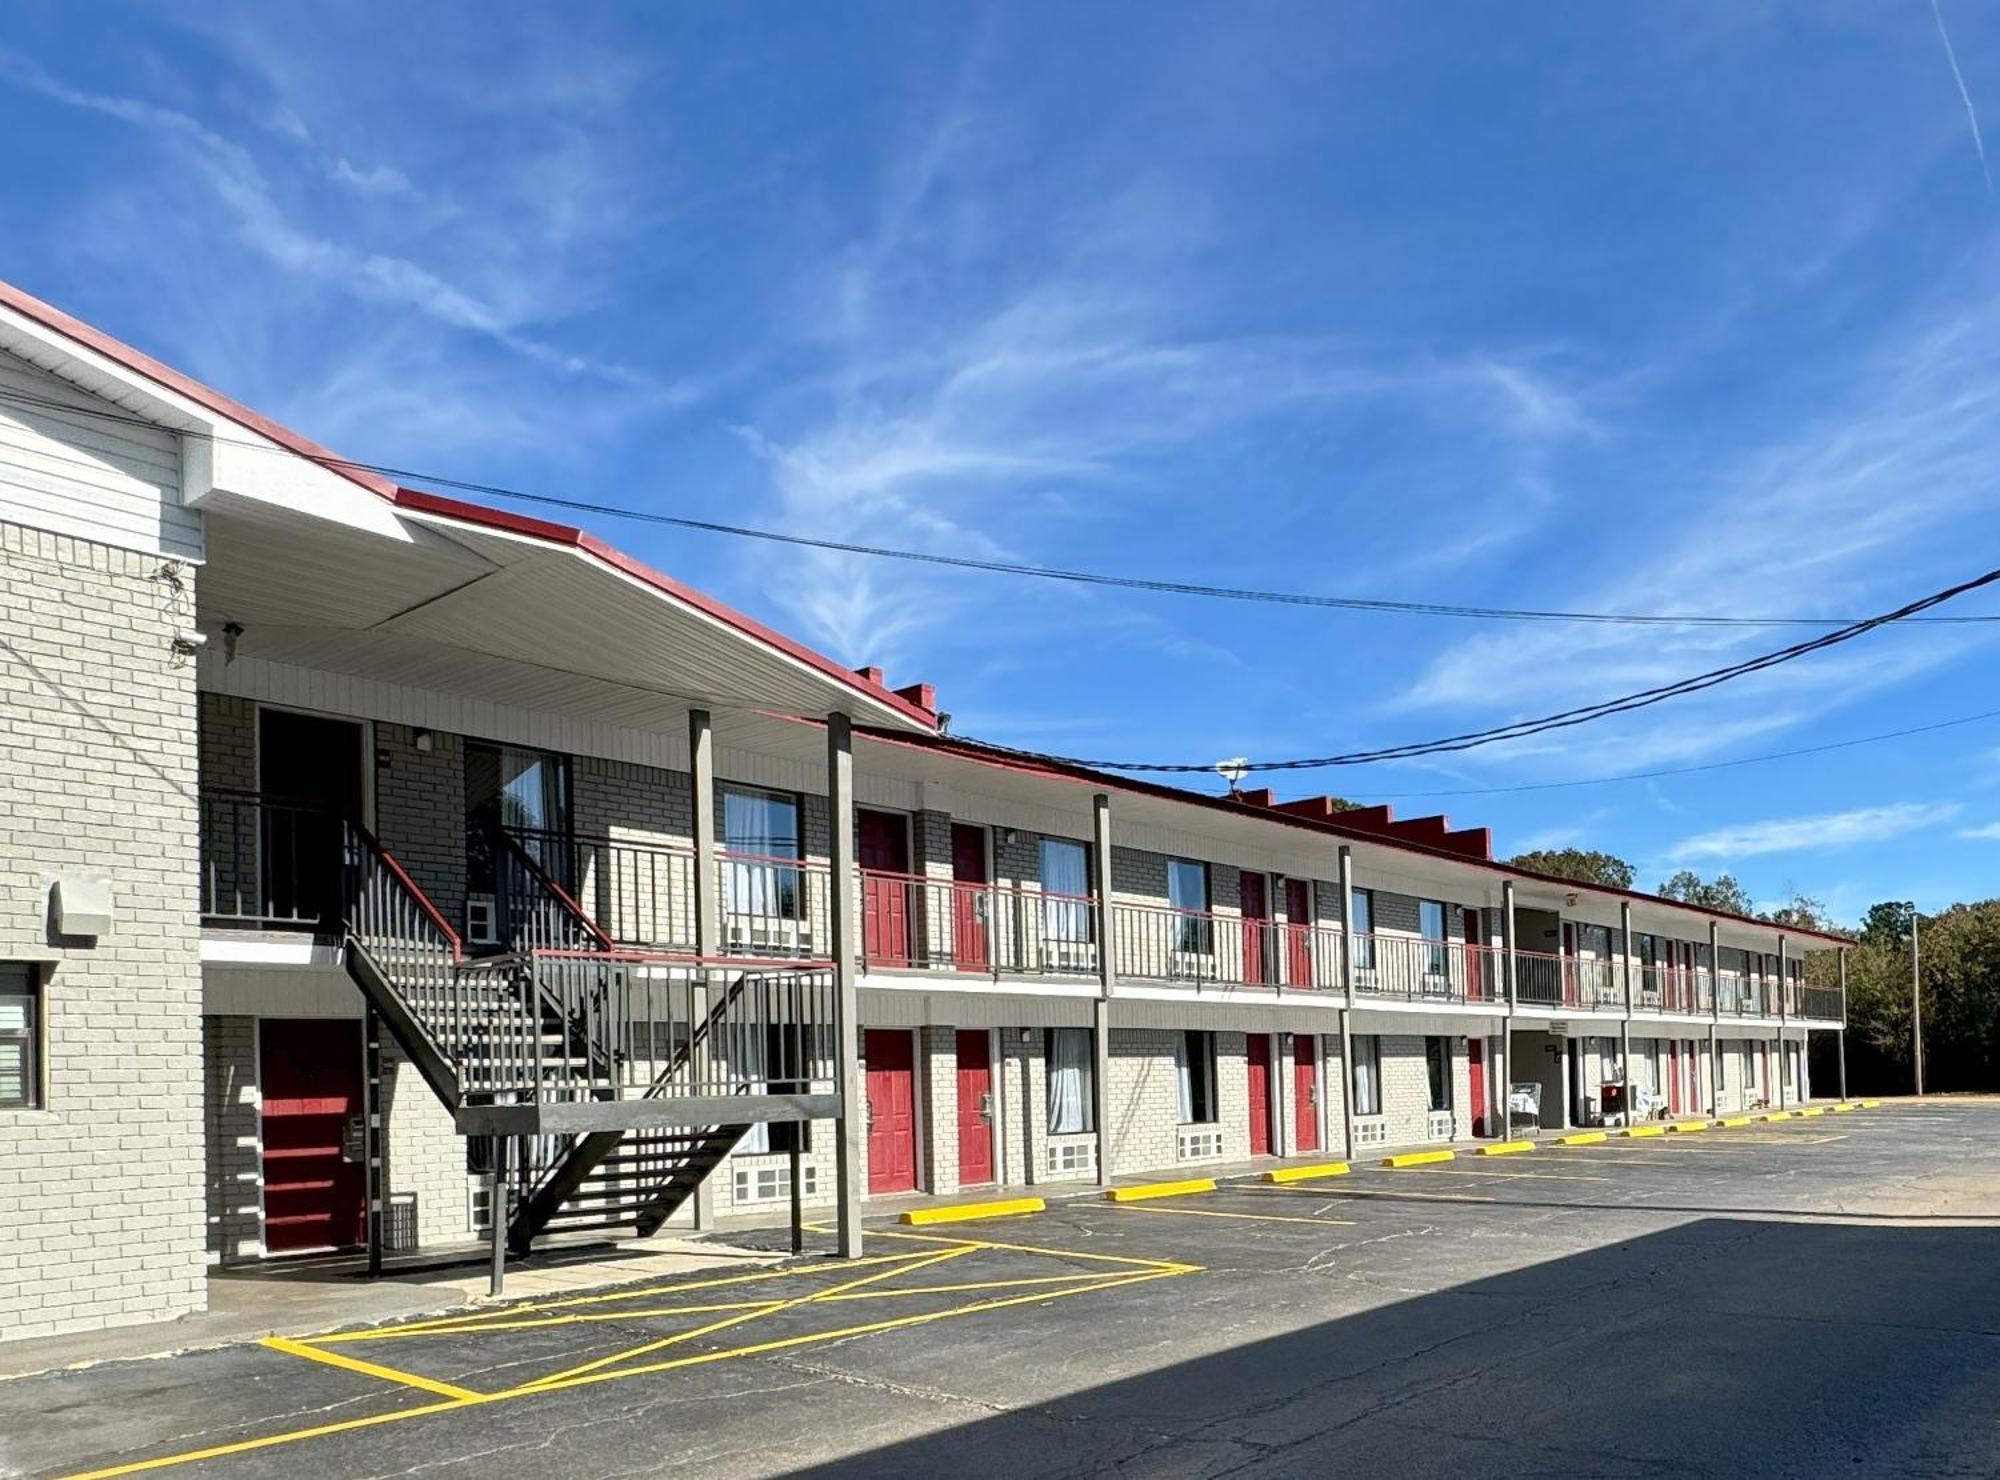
(1845, 1107)
(1506, 1148)
(1871, 1104)
(1307, 1174)
(1418, 1158)
(1145, 1191)
(1728, 1121)
(1685, 1127)
(1642, 1132)
(1583, 1138)
(968, 1212)
(1776, 1115)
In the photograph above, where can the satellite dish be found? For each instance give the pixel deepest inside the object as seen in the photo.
(1233, 770)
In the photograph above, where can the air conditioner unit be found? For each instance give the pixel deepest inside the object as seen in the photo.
(768, 935)
(482, 920)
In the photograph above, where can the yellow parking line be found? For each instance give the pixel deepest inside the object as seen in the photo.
(369, 1369)
(1219, 1213)
(1347, 1190)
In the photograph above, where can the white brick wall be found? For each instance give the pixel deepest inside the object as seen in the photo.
(102, 1223)
(235, 1202)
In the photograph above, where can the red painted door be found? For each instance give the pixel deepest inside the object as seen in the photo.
(975, 1108)
(1674, 1077)
(1298, 933)
(1256, 905)
(1259, 1045)
(883, 841)
(1475, 1074)
(892, 1109)
(1475, 979)
(969, 906)
(1305, 1092)
(314, 1196)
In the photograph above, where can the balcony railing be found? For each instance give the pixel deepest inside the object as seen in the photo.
(913, 923)
(1201, 947)
(271, 862)
(1821, 1004)
(1414, 969)
(1670, 989)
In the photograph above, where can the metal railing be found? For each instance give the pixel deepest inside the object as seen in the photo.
(270, 862)
(1821, 1004)
(1543, 979)
(909, 922)
(1670, 989)
(1414, 968)
(1201, 947)
(416, 950)
(638, 894)
(773, 907)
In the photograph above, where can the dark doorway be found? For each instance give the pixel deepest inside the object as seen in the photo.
(309, 773)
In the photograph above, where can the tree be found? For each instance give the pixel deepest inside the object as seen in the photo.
(1585, 866)
(1802, 912)
(1722, 893)
(1961, 993)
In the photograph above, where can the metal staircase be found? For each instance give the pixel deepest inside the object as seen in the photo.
(625, 1078)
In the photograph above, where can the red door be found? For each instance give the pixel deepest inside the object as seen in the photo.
(975, 1109)
(1674, 1077)
(883, 840)
(969, 909)
(1298, 933)
(1256, 917)
(1475, 981)
(1260, 1093)
(892, 1109)
(1305, 1092)
(1475, 1073)
(314, 1197)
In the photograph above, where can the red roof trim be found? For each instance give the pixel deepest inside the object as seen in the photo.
(577, 539)
(139, 363)
(1001, 760)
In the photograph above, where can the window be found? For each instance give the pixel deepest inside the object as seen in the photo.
(1437, 1066)
(760, 830)
(780, 1068)
(1367, 1074)
(1194, 1062)
(1187, 895)
(1065, 873)
(20, 1029)
(1594, 940)
(1430, 925)
(1361, 921)
(1749, 1072)
(524, 793)
(1072, 1066)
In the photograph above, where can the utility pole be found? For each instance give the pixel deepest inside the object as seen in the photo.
(1917, 998)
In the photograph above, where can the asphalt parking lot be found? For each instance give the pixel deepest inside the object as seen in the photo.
(1778, 1299)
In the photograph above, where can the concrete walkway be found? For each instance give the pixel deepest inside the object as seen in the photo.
(321, 1294)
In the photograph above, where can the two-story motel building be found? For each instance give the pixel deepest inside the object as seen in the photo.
(349, 864)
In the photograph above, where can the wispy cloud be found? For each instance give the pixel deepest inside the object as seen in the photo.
(1987, 832)
(1822, 831)
(1971, 114)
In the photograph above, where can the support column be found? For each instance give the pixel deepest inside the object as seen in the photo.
(707, 918)
(1347, 997)
(1784, 1042)
(1840, 1036)
(1100, 1035)
(848, 1129)
(371, 1143)
(1625, 1027)
(1511, 972)
(496, 1206)
(1714, 1018)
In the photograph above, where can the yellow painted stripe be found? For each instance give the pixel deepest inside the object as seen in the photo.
(1777, 1115)
(1643, 1132)
(1583, 1138)
(245, 1446)
(1729, 1121)
(1146, 1190)
(1219, 1213)
(1306, 1174)
(1686, 1127)
(1418, 1158)
(1506, 1148)
(370, 1369)
(969, 1212)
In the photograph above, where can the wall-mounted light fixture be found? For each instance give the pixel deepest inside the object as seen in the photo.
(424, 741)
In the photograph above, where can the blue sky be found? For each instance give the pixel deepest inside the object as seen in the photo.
(1642, 307)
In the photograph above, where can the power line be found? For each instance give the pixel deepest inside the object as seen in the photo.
(1158, 586)
(1747, 760)
(1563, 719)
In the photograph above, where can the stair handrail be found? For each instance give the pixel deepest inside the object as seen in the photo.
(396, 871)
(505, 840)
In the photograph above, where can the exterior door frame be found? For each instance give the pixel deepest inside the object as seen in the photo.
(1271, 1142)
(910, 955)
(992, 1178)
(991, 864)
(367, 728)
(257, 1022)
(918, 1142)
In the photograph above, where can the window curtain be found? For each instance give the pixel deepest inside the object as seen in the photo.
(1367, 1076)
(764, 828)
(1183, 1080)
(1069, 1081)
(1065, 872)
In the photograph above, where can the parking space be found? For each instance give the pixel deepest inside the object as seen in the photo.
(1399, 1288)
